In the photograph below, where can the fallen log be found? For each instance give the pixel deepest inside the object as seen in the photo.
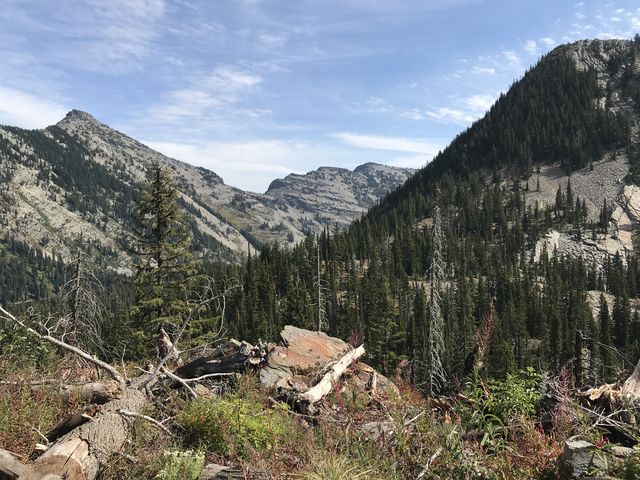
(323, 387)
(214, 471)
(79, 454)
(10, 467)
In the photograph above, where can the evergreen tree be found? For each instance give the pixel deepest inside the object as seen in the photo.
(165, 270)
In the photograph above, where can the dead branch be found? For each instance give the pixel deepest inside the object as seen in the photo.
(70, 348)
(323, 387)
(180, 381)
(149, 419)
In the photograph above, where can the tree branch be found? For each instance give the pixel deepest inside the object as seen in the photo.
(81, 353)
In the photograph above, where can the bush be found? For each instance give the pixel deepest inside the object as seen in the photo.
(235, 425)
(489, 407)
(181, 465)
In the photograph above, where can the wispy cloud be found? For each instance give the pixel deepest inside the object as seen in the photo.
(28, 111)
(463, 110)
(512, 57)
(205, 97)
(396, 144)
(249, 165)
(531, 47)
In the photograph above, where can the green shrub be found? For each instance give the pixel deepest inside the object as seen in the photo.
(490, 406)
(235, 425)
(516, 396)
(631, 467)
(181, 465)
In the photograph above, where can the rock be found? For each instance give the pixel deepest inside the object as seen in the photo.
(580, 459)
(303, 353)
(296, 363)
(631, 195)
(374, 431)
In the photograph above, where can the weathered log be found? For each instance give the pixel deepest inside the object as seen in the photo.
(214, 471)
(10, 467)
(631, 387)
(79, 454)
(323, 387)
(94, 392)
(236, 362)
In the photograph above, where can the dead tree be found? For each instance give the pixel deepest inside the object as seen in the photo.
(631, 387)
(82, 325)
(435, 340)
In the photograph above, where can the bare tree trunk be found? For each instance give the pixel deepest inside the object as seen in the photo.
(10, 467)
(631, 387)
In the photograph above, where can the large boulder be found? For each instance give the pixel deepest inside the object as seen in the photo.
(302, 356)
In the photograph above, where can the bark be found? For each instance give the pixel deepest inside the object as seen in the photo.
(323, 387)
(631, 387)
(219, 472)
(10, 467)
(79, 454)
(94, 392)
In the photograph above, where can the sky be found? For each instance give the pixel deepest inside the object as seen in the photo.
(257, 89)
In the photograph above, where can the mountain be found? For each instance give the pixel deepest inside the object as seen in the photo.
(81, 177)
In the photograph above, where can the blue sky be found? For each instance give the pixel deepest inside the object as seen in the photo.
(256, 89)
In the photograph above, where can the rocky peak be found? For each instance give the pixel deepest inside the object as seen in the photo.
(77, 116)
(594, 54)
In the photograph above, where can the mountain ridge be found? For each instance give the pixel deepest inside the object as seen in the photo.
(44, 205)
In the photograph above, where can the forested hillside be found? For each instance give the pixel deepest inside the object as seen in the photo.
(375, 276)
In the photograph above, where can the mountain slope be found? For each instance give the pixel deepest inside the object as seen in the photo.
(538, 208)
(82, 177)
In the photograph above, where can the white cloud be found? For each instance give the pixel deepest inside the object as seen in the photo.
(463, 111)
(512, 57)
(249, 165)
(548, 42)
(451, 115)
(205, 96)
(272, 41)
(397, 144)
(410, 86)
(483, 70)
(531, 47)
(479, 103)
(28, 111)
(109, 36)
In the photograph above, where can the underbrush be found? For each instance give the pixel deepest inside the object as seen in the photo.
(489, 432)
(29, 406)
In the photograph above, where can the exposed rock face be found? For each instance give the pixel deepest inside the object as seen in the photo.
(35, 205)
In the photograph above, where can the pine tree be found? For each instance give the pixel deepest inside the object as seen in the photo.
(165, 270)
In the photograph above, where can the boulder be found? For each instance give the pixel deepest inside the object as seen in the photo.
(302, 353)
(302, 356)
(583, 459)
